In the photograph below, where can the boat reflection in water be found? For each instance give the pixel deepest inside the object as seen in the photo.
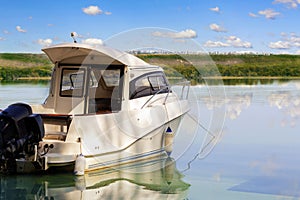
(154, 179)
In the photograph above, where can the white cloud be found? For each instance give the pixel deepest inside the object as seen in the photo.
(92, 10)
(283, 34)
(19, 29)
(252, 14)
(217, 28)
(214, 44)
(269, 13)
(294, 39)
(237, 42)
(93, 42)
(216, 9)
(280, 45)
(186, 34)
(287, 41)
(231, 41)
(44, 42)
(288, 3)
(1, 38)
(107, 13)
(6, 32)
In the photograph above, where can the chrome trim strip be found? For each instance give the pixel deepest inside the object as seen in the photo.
(105, 164)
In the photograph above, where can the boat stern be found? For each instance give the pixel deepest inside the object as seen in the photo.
(49, 154)
(58, 153)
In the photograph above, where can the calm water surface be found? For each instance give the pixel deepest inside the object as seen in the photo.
(257, 156)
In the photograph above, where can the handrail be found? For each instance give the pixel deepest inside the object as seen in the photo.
(155, 95)
(184, 83)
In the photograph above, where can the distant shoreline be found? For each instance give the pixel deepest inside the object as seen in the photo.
(204, 78)
(18, 66)
(252, 77)
(29, 79)
(34, 78)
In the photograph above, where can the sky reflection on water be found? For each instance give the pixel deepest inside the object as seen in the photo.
(256, 158)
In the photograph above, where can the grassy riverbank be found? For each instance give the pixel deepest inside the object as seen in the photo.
(193, 67)
(24, 66)
(196, 67)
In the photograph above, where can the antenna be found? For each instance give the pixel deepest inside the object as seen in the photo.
(73, 35)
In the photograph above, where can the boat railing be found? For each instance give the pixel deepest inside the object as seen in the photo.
(183, 95)
(158, 92)
(185, 89)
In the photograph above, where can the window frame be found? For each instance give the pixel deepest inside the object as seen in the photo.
(76, 70)
(152, 90)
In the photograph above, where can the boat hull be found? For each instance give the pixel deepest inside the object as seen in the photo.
(149, 146)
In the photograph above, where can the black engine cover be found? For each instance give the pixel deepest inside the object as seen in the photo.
(18, 126)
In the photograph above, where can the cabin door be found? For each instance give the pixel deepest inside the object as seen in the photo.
(104, 89)
(94, 89)
(71, 92)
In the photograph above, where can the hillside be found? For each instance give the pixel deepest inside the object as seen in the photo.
(193, 67)
(15, 66)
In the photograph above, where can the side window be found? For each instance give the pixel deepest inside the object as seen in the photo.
(142, 82)
(148, 85)
(72, 82)
(139, 88)
(157, 82)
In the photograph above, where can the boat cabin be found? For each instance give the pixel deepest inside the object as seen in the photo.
(99, 81)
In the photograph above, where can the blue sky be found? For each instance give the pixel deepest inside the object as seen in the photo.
(269, 26)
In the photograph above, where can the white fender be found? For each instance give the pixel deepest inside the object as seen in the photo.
(169, 139)
(79, 165)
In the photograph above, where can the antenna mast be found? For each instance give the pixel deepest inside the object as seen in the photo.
(73, 35)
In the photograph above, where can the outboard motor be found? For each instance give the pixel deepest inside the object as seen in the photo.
(20, 131)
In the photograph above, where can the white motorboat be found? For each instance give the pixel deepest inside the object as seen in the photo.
(105, 107)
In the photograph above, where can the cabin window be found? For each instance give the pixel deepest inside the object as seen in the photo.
(148, 85)
(72, 82)
(157, 82)
(111, 77)
(105, 89)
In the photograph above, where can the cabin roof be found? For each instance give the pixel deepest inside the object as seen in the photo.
(77, 52)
